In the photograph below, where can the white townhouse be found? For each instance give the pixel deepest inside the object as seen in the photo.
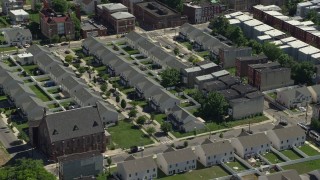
(134, 169)
(247, 146)
(285, 138)
(211, 153)
(174, 161)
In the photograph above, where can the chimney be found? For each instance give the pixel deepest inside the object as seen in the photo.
(78, 11)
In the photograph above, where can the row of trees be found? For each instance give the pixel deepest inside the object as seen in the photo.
(301, 72)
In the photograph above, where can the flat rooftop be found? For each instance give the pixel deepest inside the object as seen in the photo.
(156, 9)
(90, 25)
(122, 15)
(309, 50)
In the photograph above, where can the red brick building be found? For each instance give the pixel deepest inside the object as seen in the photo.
(201, 12)
(54, 24)
(74, 131)
(155, 15)
(243, 62)
(116, 16)
(90, 28)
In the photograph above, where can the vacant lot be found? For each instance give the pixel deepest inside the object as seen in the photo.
(125, 135)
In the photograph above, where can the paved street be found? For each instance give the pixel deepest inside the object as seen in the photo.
(6, 136)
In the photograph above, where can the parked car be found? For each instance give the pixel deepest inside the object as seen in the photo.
(314, 135)
(49, 84)
(64, 44)
(302, 109)
(134, 149)
(283, 123)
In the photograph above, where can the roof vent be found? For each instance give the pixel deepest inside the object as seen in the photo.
(95, 124)
(75, 128)
(55, 132)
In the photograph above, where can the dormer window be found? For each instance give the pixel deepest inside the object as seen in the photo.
(75, 127)
(55, 132)
(95, 124)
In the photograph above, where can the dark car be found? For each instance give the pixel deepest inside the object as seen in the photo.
(283, 123)
(134, 149)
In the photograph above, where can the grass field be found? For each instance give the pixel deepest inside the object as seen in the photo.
(3, 97)
(273, 158)
(29, 69)
(273, 95)
(160, 118)
(125, 135)
(305, 166)
(9, 62)
(232, 71)
(41, 95)
(309, 150)
(43, 79)
(207, 173)
(53, 91)
(291, 154)
(130, 51)
(236, 165)
(187, 44)
(22, 128)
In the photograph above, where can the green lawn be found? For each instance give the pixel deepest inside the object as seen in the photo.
(232, 71)
(34, 17)
(41, 94)
(101, 69)
(309, 150)
(207, 173)
(160, 118)
(273, 158)
(272, 95)
(3, 23)
(304, 167)
(131, 51)
(52, 106)
(27, 81)
(129, 90)
(53, 91)
(65, 104)
(236, 165)
(186, 104)
(140, 103)
(255, 119)
(187, 45)
(203, 54)
(29, 69)
(291, 154)
(10, 48)
(125, 135)
(43, 79)
(9, 62)
(3, 97)
(22, 127)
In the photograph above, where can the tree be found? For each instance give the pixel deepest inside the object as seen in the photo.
(132, 113)
(256, 47)
(141, 120)
(214, 106)
(77, 25)
(220, 25)
(176, 50)
(103, 88)
(109, 161)
(117, 99)
(315, 124)
(313, 16)
(271, 50)
(55, 39)
(68, 58)
(175, 4)
(60, 5)
(302, 73)
(236, 34)
(37, 7)
(170, 77)
(23, 169)
(166, 127)
(123, 104)
(285, 60)
(150, 130)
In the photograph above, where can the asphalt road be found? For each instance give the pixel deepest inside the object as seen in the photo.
(6, 135)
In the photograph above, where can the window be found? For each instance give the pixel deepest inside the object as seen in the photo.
(75, 128)
(148, 171)
(261, 146)
(154, 169)
(136, 174)
(129, 175)
(209, 157)
(176, 165)
(214, 156)
(187, 162)
(281, 142)
(225, 154)
(287, 140)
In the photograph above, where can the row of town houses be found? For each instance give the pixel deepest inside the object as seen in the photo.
(210, 153)
(159, 98)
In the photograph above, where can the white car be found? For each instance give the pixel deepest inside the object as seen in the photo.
(302, 109)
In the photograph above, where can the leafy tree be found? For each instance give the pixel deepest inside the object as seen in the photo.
(236, 34)
(285, 60)
(60, 5)
(170, 77)
(68, 58)
(77, 25)
(103, 88)
(150, 130)
(313, 16)
(271, 50)
(315, 124)
(23, 169)
(55, 39)
(219, 25)
(175, 4)
(256, 47)
(109, 161)
(166, 127)
(123, 104)
(176, 50)
(132, 113)
(302, 73)
(37, 7)
(117, 99)
(291, 6)
(141, 120)
(214, 106)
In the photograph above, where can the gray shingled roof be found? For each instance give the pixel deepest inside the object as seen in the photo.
(283, 175)
(73, 123)
(178, 156)
(289, 132)
(15, 32)
(218, 147)
(254, 140)
(134, 36)
(138, 165)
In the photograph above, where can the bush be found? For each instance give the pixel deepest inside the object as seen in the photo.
(112, 147)
(141, 120)
(117, 99)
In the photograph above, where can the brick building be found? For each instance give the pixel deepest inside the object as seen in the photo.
(201, 12)
(269, 76)
(240, 5)
(68, 132)
(155, 15)
(90, 28)
(116, 16)
(243, 62)
(54, 24)
(129, 4)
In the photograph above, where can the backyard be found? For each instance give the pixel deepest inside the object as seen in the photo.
(232, 71)
(273, 158)
(207, 173)
(125, 135)
(304, 167)
(236, 165)
(309, 150)
(40, 93)
(29, 69)
(130, 51)
(273, 95)
(291, 154)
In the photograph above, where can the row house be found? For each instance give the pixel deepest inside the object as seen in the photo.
(285, 138)
(213, 153)
(243, 62)
(174, 161)
(201, 12)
